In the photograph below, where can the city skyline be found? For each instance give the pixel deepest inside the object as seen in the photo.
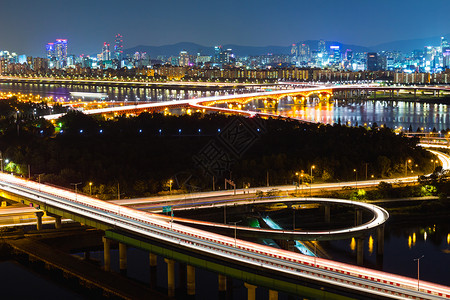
(88, 24)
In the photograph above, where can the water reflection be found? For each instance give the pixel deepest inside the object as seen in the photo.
(394, 114)
(353, 244)
(370, 245)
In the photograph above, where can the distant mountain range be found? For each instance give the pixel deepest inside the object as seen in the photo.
(174, 50)
(192, 48)
(410, 45)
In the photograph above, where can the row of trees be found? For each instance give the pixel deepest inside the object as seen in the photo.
(139, 156)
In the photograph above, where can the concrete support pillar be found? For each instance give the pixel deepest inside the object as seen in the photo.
(122, 257)
(222, 283)
(358, 217)
(170, 277)
(39, 215)
(273, 295)
(359, 251)
(380, 240)
(182, 276)
(58, 223)
(107, 253)
(327, 213)
(190, 273)
(153, 258)
(251, 291)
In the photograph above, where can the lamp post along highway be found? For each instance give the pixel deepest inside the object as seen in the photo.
(418, 271)
(1, 160)
(90, 188)
(235, 231)
(39, 180)
(408, 161)
(356, 178)
(76, 190)
(310, 186)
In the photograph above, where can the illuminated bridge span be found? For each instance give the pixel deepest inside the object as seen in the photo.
(207, 103)
(380, 216)
(260, 258)
(235, 104)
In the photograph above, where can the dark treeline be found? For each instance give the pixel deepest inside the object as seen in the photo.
(140, 155)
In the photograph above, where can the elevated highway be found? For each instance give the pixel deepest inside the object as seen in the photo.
(109, 216)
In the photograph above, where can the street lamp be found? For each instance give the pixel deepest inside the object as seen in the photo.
(310, 186)
(235, 230)
(356, 178)
(90, 188)
(170, 186)
(300, 180)
(408, 161)
(39, 180)
(76, 190)
(1, 160)
(434, 161)
(418, 270)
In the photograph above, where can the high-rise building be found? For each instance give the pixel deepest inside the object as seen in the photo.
(372, 61)
(335, 54)
(118, 47)
(322, 47)
(304, 53)
(106, 53)
(444, 44)
(294, 50)
(183, 59)
(348, 55)
(61, 53)
(217, 51)
(50, 49)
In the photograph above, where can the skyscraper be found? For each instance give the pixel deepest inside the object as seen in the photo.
(106, 53)
(372, 61)
(118, 47)
(322, 47)
(183, 59)
(304, 53)
(50, 49)
(335, 53)
(217, 51)
(294, 50)
(57, 53)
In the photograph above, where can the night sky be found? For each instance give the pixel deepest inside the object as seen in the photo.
(27, 25)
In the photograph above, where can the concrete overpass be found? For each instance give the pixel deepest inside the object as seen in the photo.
(139, 226)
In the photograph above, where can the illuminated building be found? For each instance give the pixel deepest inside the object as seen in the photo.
(106, 53)
(183, 59)
(50, 49)
(304, 53)
(118, 47)
(335, 54)
(294, 50)
(372, 61)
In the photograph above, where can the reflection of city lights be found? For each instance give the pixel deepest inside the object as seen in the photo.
(409, 242)
(370, 244)
(414, 239)
(448, 239)
(425, 235)
(353, 244)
